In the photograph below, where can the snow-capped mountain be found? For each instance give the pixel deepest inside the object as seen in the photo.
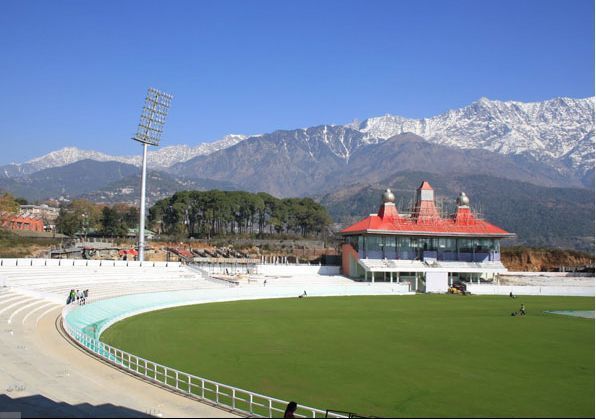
(159, 159)
(68, 155)
(167, 156)
(558, 133)
(558, 129)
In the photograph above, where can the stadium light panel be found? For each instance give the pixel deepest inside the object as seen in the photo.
(153, 117)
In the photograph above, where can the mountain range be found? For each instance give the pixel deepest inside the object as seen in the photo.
(157, 159)
(558, 132)
(546, 145)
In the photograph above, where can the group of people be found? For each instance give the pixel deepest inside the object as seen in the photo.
(78, 296)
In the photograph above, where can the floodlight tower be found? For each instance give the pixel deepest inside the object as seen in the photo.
(149, 132)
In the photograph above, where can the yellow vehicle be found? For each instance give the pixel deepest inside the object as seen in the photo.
(458, 288)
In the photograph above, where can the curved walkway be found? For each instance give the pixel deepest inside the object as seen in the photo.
(43, 374)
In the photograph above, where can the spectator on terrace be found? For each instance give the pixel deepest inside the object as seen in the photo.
(264, 282)
(290, 409)
(70, 298)
(80, 296)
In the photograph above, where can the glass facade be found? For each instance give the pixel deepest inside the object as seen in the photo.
(420, 248)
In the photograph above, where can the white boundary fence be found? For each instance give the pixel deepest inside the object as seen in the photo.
(86, 262)
(222, 395)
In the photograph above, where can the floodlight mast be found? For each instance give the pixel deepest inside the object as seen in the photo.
(153, 118)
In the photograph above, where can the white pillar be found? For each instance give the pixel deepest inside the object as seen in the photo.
(142, 214)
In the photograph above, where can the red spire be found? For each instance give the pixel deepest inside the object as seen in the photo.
(425, 210)
(388, 212)
(426, 186)
(464, 215)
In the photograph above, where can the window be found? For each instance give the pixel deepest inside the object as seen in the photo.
(447, 245)
(403, 243)
(390, 241)
(484, 245)
(465, 245)
(354, 241)
(374, 243)
(428, 243)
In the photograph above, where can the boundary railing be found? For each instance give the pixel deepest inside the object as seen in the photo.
(93, 263)
(222, 395)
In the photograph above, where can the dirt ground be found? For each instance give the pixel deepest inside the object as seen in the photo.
(543, 260)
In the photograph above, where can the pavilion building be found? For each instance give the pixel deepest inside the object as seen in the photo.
(428, 250)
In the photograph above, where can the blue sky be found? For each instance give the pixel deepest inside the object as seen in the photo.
(74, 73)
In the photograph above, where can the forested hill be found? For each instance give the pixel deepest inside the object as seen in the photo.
(540, 216)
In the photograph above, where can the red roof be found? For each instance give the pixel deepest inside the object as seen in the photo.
(425, 221)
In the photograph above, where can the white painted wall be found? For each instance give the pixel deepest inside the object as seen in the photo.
(436, 282)
(487, 289)
(297, 270)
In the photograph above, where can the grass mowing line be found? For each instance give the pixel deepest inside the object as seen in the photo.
(425, 355)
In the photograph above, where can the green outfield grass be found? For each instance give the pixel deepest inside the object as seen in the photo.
(423, 355)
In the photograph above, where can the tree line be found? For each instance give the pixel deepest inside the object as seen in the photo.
(218, 213)
(198, 214)
(82, 216)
